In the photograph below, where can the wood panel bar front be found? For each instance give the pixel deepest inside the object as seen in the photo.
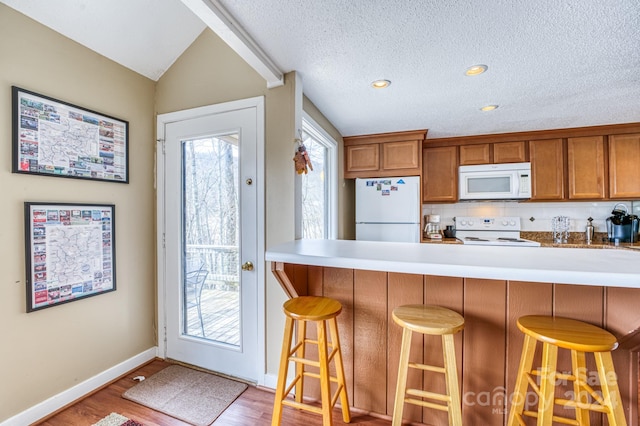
(449, 293)
(369, 340)
(488, 350)
(406, 289)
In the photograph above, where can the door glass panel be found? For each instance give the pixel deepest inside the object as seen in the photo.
(210, 227)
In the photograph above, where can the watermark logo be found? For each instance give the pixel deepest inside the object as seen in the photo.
(497, 397)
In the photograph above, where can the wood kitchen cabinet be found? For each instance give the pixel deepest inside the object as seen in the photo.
(385, 154)
(475, 154)
(440, 174)
(547, 169)
(493, 153)
(362, 158)
(586, 168)
(509, 152)
(624, 166)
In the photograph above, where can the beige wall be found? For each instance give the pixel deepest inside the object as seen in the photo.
(209, 72)
(45, 352)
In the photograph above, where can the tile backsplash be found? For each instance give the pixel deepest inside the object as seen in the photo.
(535, 217)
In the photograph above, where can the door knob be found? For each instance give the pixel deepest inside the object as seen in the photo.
(247, 266)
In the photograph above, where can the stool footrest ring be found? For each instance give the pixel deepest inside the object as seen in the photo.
(426, 394)
(302, 406)
(557, 419)
(317, 376)
(426, 404)
(426, 367)
(575, 404)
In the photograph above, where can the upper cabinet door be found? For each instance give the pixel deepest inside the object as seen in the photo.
(509, 152)
(624, 166)
(475, 154)
(585, 160)
(363, 158)
(547, 169)
(401, 155)
(440, 174)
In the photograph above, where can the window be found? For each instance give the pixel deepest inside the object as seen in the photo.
(318, 207)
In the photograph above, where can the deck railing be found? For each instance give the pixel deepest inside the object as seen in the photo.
(222, 262)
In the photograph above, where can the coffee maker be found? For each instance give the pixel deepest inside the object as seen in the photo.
(432, 226)
(622, 227)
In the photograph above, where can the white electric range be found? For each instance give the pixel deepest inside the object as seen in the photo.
(491, 231)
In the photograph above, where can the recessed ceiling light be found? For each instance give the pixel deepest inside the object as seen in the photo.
(488, 107)
(476, 70)
(380, 84)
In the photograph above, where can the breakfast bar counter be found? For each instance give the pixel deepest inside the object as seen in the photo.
(620, 268)
(490, 286)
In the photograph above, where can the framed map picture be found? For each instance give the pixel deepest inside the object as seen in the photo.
(54, 138)
(70, 252)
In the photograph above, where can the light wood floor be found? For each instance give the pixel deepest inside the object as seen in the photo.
(252, 408)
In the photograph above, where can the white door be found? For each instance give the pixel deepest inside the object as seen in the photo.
(210, 200)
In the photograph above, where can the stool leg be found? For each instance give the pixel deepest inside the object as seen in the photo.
(610, 391)
(344, 399)
(282, 372)
(451, 378)
(325, 384)
(578, 361)
(302, 335)
(403, 367)
(520, 390)
(547, 384)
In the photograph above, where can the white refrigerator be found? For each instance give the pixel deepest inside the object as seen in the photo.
(388, 209)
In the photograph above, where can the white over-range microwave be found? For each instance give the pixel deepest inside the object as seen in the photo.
(511, 181)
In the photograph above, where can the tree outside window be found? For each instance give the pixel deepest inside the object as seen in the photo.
(318, 186)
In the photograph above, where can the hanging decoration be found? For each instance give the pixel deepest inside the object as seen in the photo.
(301, 158)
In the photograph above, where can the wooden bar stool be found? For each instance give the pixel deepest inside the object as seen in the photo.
(580, 338)
(320, 310)
(438, 321)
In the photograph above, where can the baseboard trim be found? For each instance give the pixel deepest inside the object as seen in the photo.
(56, 402)
(270, 381)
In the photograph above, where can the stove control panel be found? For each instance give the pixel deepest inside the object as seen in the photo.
(485, 223)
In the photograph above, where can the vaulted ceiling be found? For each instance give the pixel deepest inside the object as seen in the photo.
(551, 63)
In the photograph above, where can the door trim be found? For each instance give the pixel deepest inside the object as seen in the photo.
(260, 271)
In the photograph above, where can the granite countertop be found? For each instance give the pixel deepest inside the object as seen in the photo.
(576, 240)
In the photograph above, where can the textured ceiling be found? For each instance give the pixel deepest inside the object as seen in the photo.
(552, 63)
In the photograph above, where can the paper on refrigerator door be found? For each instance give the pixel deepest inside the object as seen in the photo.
(388, 200)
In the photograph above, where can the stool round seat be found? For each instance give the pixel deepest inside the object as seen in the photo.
(312, 308)
(568, 333)
(428, 319)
